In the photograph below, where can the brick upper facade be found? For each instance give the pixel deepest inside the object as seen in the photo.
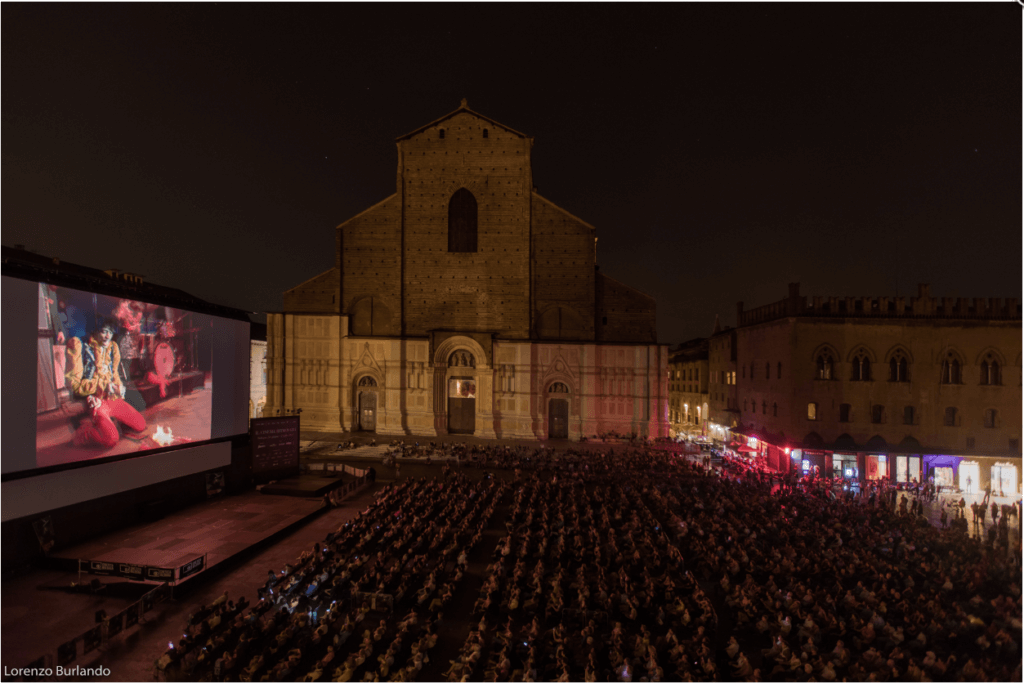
(533, 274)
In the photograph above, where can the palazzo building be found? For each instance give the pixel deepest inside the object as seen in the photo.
(868, 387)
(688, 389)
(466, 302)
(257, 370)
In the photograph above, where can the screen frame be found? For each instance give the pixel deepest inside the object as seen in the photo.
(90, 283)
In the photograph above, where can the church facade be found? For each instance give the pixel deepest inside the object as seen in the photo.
(466, 303)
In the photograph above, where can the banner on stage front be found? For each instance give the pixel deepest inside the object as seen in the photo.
(191, 568)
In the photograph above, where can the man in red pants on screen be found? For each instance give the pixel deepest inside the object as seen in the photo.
(95, 376)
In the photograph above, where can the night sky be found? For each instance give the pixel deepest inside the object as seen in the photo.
(721, 150)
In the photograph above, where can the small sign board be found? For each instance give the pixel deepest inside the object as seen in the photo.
(191, 568)
(275, 444)
(159, 574)
(101, 568)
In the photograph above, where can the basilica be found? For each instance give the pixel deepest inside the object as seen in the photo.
(467, 303)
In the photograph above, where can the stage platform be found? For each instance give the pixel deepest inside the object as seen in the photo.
(308, 486)
(40, 611)
(218, 528)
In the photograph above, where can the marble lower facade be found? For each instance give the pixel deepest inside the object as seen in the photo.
(468, 384)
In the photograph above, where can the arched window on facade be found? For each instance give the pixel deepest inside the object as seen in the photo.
(951, 370)
(898, 368)
(990, 371)
(824, 366)
(462, 223)
(861, 368)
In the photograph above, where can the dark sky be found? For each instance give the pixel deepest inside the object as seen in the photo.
(721, 150)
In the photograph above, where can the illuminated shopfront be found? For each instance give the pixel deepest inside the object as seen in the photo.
(877, 467)
(970, 477)
(844, 467)
(1004, 479)
(943, 477)
(908, 468)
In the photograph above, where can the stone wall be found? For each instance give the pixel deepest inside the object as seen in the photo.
(623, 314)
(796, 342)
(563, 273)
(370, 254)
(317, 295)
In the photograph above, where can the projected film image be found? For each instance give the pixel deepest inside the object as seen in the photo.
(118, 376)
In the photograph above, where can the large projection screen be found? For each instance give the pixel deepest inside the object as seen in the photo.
(114, 379)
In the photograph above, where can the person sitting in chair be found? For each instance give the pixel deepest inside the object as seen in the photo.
(95, 376)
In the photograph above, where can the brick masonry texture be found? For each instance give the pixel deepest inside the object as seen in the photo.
(403, 303)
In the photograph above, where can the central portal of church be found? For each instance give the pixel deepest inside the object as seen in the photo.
(558, 419)
(461, 406)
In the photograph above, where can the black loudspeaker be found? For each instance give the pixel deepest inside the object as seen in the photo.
(101, 615)
(44, 533)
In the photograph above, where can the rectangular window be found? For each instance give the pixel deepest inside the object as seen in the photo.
(990, 418)
(812, 411)
(949, 417)
(908, 415)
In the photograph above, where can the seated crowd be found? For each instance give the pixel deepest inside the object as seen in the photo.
(401, 553)
(678, 573)
(637, 565)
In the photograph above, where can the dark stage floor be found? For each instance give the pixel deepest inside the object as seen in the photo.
(221, 528)
(39, 612)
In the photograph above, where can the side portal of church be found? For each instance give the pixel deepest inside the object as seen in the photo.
(466, 303)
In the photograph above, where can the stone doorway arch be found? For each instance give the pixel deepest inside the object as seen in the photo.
(462, 383)
(367, 389)
(461, 387)
(558, 410)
